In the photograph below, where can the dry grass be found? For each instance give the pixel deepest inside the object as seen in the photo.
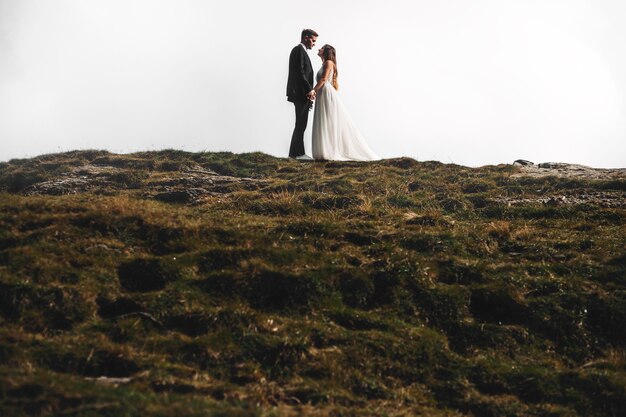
(389, 288)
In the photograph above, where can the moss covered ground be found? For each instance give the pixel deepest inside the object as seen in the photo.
(387, 288)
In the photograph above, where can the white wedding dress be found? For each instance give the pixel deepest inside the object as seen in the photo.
(335, 137)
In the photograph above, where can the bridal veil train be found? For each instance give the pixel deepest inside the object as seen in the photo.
(335, 136)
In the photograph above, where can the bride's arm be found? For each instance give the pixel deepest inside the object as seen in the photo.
(328, 65)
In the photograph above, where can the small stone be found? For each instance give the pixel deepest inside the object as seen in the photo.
(523, 162)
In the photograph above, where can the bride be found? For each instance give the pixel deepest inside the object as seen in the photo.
(335, 137)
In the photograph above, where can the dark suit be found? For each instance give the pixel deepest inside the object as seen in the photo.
(300, 82)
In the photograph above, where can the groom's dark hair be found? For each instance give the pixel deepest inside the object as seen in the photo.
(307, 32)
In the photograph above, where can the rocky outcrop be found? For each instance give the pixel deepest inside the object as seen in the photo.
(564, 170)
(190, 184)
(193, 183)
(613, 197)
(608, 199)
(81, 179)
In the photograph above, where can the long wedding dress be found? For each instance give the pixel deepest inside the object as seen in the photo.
(335, 136)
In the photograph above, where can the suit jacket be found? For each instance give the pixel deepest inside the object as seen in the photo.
(300, 80)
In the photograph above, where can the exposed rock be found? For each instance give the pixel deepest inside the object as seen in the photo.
(105, 380)
(523, 162)
(612, 197)
(79, 180)
(193, 183)
(563, 170)
(190, 184)
(607, 199)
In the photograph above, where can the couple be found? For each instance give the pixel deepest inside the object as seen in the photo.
(335, 137)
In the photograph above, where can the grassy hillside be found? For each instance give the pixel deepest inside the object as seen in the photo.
(212, 284)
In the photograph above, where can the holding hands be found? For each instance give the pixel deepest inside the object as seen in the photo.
(311, 95)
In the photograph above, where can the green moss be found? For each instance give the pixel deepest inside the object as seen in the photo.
(395, 287)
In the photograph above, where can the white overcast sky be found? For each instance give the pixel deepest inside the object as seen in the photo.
(470, 82)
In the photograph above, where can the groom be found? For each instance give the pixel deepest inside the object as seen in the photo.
(300, 90)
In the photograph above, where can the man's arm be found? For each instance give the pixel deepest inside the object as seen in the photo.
(301, 68)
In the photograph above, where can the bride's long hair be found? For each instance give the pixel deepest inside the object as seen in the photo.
(331, 54)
